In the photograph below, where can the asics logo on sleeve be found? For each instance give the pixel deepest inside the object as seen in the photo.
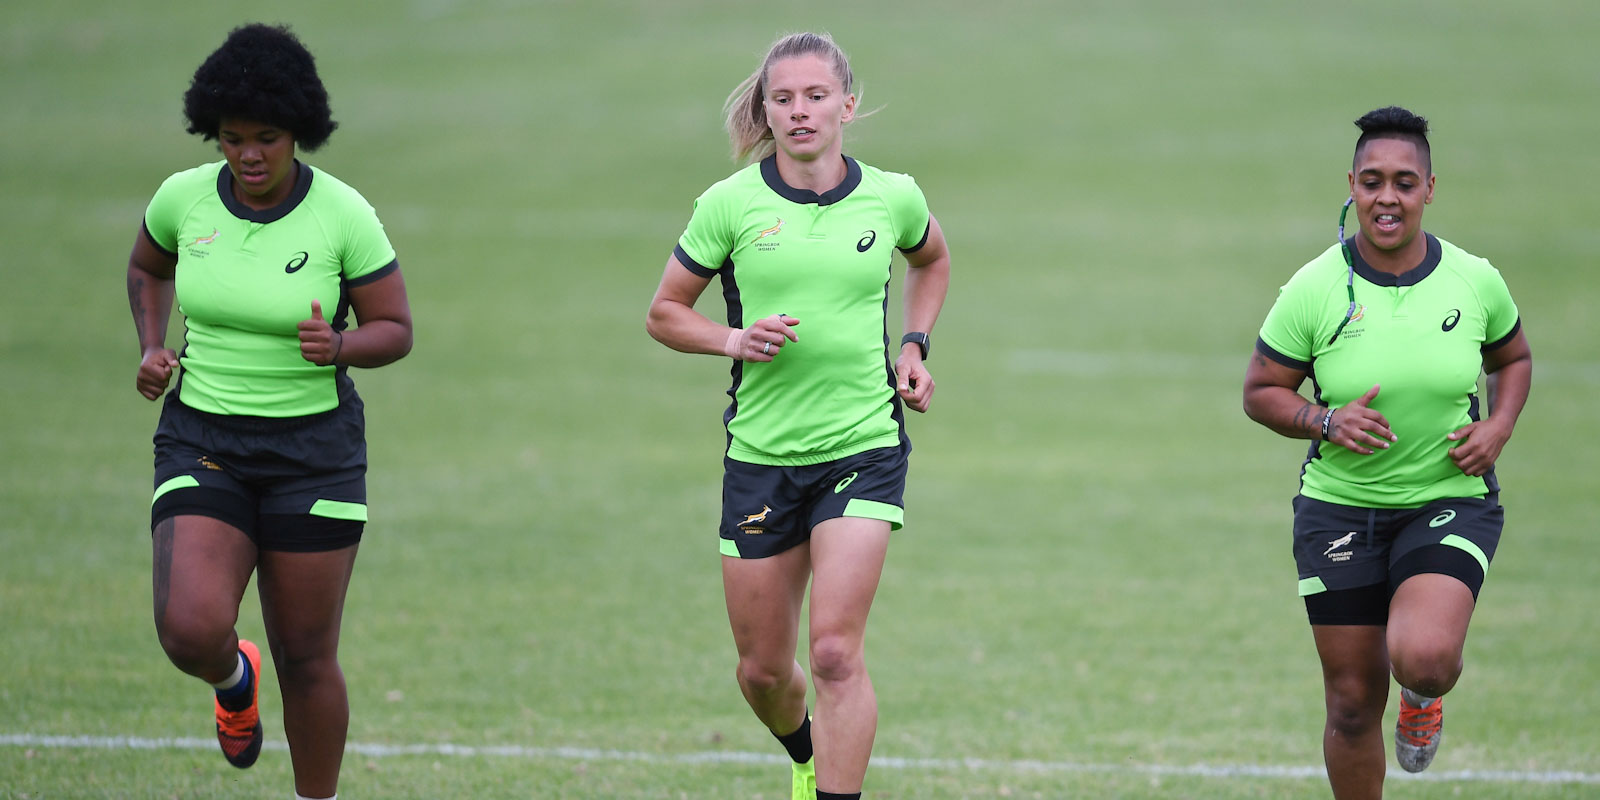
(297, 262)
(866, 241)
(1451, 320)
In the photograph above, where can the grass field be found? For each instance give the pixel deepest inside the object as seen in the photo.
(1093, 595)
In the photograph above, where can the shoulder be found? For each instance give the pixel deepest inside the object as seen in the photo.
(1326, 269)
(326, 188)
(195, 179)
(1462, 261)
(886, 182)
(735, 187)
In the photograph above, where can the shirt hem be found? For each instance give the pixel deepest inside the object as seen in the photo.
(750, 456)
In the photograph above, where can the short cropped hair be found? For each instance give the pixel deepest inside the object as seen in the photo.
(262, 73)
(1394, 122)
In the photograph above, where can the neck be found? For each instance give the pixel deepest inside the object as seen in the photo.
(278, 194)
(1395, 262)
(818, 175)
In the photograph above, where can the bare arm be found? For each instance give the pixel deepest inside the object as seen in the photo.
(150, 292)
(927, 283)
(1272, 398)
(673, 322)
(1510, 369)
(383, 327)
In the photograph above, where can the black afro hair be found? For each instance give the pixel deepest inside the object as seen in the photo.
(262, 73)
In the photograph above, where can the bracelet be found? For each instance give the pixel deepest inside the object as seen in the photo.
(337, 346)
(1327, 423)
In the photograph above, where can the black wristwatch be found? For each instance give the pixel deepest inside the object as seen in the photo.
(924, 343)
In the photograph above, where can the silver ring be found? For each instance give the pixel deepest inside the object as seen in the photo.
(766, 348)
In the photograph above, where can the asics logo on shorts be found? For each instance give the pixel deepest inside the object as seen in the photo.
(842, 485)
(761, 517)
(1443, 518)
(1339, 542)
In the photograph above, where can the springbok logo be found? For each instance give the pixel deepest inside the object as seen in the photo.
(754, 518)
(1361, 311)
(771, 231)
(206, 239)
(1339, 542)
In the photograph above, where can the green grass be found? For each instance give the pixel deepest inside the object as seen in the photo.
(1095, 568)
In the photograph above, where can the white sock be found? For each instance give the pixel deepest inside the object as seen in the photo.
(232, 680)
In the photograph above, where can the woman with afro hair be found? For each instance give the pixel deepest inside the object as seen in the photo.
(260, 453)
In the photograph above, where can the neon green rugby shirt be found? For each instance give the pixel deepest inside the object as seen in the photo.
(1420, 336)
(246, 278)
(824, 260)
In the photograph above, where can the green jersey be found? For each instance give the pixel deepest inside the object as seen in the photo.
(1419, 336)
(825, 260)
(246, 278)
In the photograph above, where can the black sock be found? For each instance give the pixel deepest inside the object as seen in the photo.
(798, 743)
(238, 698)
(821, 795)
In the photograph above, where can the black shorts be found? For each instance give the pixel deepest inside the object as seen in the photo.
(1351, 559)
(767, 510)
(295, 484)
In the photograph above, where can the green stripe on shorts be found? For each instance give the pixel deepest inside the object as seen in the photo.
(871, 509)
(337, 509)
(1473, 550)
(1311, 586)
(180, 482)
(729, 548)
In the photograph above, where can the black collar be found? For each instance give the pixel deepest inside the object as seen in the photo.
(852, 179)
(302, 185)
(1410, 277)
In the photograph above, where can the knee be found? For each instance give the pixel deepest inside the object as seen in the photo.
(762, 678)
(194, 642)
(303, 661)
(1355, 707)
(1429, 671)
(836, 659)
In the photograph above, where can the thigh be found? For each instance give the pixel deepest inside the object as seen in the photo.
(302, 599)
(764, 598)
(847, 555)
(1355, 666)
(200, 567)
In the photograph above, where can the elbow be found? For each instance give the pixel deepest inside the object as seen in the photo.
(1252, 409)
(655, 323)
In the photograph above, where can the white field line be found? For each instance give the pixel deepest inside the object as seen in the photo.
(723, 757)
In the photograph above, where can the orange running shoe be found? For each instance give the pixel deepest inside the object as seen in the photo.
(1419, 731)
(239, 732)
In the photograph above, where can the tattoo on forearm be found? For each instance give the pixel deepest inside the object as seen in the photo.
(161, 566)
(1305, 418)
